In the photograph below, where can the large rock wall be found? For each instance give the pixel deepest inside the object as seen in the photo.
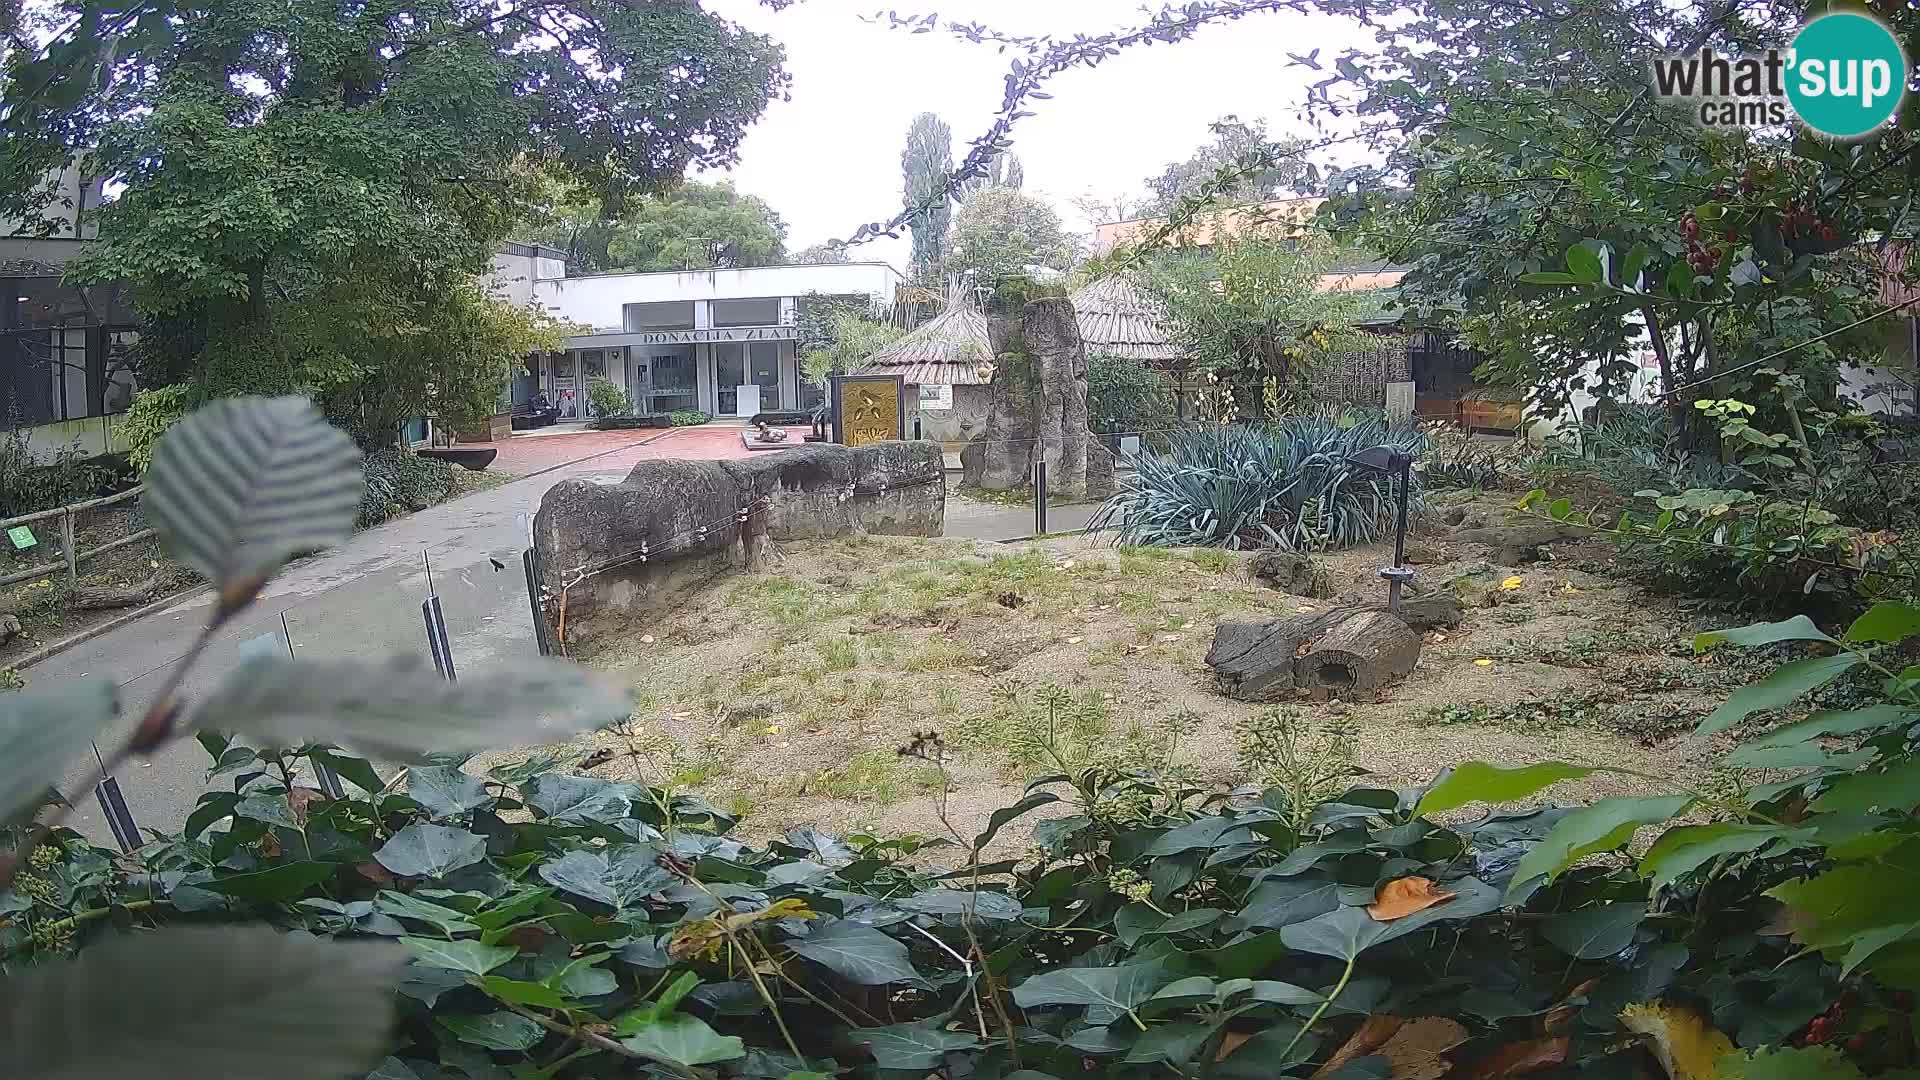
(610, 554)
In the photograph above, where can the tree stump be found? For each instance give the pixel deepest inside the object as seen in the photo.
(1336, 652)
(1364, 652)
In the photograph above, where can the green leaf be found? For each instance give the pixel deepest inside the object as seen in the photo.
(1788, 1063)
(1686, 848)
(1477, 781)
(189, 1002)
(684, 1041)
(1895, 789)
(1584, 264)
(912, 1046)
(1001, 817)
(1120, 987)
(515, 992)
(584, 799)
(444, 919)
(1780, 688)
(859, 953)
(1346, 932)
(243, 484)
(494, 1031)
(1595, 933)
(1601, 826)
(470, 957)
(1551, 277)
(274, 886)
(1887, 621)
(1798, 628)
(43, 732)
(422, 850)
(402, 708)
(620, 877)
(444, 791)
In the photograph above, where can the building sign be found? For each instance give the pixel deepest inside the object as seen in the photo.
(936, 398)
(720, 333)
(868, 409)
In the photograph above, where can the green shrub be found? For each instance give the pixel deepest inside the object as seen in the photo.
(1288, 484)
(688, 417)
(401, 482)
(149, 416)
(608, 399)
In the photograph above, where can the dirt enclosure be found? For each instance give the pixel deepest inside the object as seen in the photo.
(784, 695)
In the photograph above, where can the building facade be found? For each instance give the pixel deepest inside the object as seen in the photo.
(724, 342)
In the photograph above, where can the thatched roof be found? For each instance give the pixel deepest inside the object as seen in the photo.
(1119, 318)
(949, 349)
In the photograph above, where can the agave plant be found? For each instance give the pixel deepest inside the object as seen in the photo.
(1288, 484)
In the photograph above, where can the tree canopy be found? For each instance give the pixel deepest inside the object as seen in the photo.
(697, 227)
(301, 180)
(999, 232)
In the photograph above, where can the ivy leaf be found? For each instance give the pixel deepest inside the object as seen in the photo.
(466, 956)
(444, 919)
(1885, 622)
(1798, 628)
(1120, 987)
(495, 1031)
(1477, 781)
(912, 1046)
(402, 708)
(1001, 817)
(857, 952)
(186, 1003)
(42, 732)
(444, 791)
(1595, 933)
(1686, 848)
(421, 850)
(684, 1041)
(562, 798)
(1780, 688)
(241, 485)
(1601, 826)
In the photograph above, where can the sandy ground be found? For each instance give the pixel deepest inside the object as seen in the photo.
(785, 694)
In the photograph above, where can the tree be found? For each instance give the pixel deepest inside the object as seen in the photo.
(1003, 171)
(308, 185)
(1234, 141)
(1739, 258)
(924, 166)
(822, 254)
(999, 232)
(698, 227)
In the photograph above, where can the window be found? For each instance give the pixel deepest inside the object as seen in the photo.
(764, 311)
(667, 315)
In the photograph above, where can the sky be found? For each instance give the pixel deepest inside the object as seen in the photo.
(829, 159)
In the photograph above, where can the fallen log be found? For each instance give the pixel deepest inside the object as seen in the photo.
(99, 597)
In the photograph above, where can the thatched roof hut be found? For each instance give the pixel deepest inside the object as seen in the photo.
(949, 349)
(1119, 318)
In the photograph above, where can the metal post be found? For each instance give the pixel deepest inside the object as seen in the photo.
(66, 541)
(1040, 497)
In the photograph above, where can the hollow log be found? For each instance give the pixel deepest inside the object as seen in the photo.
(1363, 652)
(98, 597)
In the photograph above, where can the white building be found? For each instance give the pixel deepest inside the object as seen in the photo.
(717, 341)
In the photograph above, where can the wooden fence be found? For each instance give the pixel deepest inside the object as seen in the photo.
(70, 558)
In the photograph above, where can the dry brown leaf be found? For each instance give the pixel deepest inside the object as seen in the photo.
(1520, 1058)
(1373, 1031)
(1401, 897)
(1229, 1043)
(1414, 1051)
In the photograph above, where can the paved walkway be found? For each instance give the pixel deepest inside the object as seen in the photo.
(362, 600)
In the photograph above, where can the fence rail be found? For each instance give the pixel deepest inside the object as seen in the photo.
(70, 558)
